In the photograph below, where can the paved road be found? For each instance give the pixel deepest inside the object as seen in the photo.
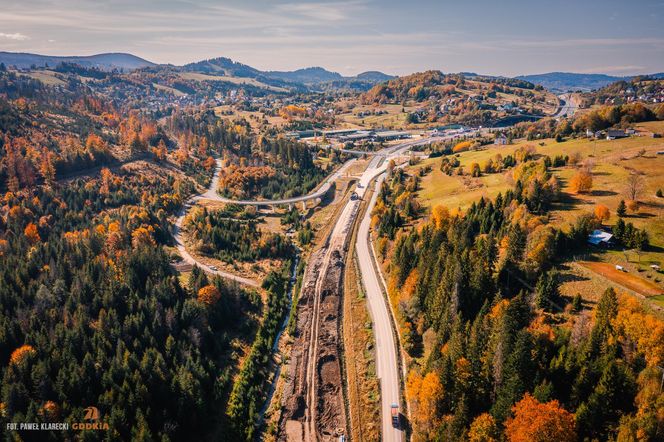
(186, 257)
(212, 194)
(387, 364)
(568, 106)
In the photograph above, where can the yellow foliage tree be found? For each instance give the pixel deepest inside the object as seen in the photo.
(142, 236)
(637, 326)
(439, 214)
(582, 182)
(483, 429)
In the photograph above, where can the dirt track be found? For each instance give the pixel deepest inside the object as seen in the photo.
(314, 407)
(313, 397)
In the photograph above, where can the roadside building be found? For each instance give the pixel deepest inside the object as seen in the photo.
(601, 238)
(500, 140)
(613, 134)
(389, 135)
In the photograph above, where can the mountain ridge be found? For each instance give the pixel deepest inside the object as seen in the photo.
(313, 76)
(104, 61)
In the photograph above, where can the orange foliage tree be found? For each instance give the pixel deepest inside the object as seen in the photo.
(31, 233)
(21, 353)
(424, 394)
(460, 147)
(534, 421)
(47, 166)
(208, 295)
(106, 181)
(602, 213)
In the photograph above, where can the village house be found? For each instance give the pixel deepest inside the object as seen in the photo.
(500, 140)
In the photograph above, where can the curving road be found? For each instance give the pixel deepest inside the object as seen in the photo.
(211, 193)
(567, 106)
(186, 257)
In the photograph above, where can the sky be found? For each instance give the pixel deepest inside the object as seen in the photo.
(496, 37)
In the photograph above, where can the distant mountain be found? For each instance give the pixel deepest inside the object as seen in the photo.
(567, 81)
(311, 75)
(105, 62)
(320, 76)
(374, 76)
(223, 66)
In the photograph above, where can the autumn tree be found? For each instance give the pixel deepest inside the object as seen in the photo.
(540, 422)
(582, 182)
(142, 236)
(31, 233)
(160, 151)
(475, 170)
(203, 147)
(47, 166)
(634, 186)
(106, 181)
(208, 295)
(602, 213)
(483, 429)
(633, 206)
(424, 393)
(182, 153)
(21, 354)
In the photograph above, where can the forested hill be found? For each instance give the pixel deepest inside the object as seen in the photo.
(92, 312)
(566, 81)
(458, 98)
(494, 351)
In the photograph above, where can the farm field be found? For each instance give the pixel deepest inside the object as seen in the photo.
(253, 117)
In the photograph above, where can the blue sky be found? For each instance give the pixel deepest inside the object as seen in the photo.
(506, 37)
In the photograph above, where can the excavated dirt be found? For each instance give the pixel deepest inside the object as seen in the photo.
(317, 336)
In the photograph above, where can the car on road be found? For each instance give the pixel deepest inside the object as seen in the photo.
(213, 268)
(395, 416)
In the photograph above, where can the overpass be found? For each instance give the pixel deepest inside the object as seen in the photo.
(317, 194)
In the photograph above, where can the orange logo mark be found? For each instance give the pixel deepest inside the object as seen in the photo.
(91, 414)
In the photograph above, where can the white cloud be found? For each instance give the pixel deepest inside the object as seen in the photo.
(17, 36)
(322, 11)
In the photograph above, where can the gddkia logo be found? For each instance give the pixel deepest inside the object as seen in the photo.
(92, 416)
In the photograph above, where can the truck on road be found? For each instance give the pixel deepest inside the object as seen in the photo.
(395, 415)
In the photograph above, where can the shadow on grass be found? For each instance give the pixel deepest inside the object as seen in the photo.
(603, 193)
(641, 215)
(567, 201)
